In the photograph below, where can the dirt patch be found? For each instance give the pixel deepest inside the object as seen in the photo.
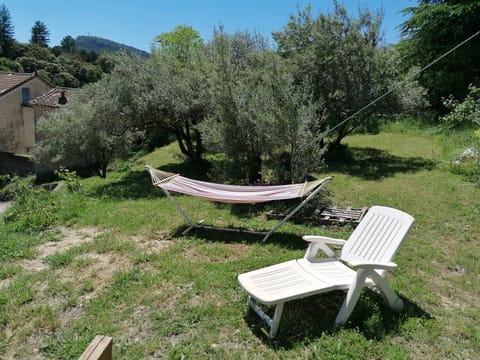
(85, 278)
(137, 327)
(4, 283)
(70, 238)
(96, 270)
(149, 244)
(237, 248)
(4, 205)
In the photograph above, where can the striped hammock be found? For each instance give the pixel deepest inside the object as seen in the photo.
(250, 194)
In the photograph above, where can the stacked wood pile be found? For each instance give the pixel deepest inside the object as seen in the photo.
(330, 215)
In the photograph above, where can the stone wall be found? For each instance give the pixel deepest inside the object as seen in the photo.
(13, 164)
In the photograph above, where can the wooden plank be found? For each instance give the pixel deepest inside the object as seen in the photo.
(329, 215)
(99, 349)
(342, 215)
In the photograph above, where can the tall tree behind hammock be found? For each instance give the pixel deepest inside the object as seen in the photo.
(344, 65)
(258, 121)
(433, 27)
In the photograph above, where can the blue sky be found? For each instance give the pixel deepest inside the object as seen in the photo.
(137, 22)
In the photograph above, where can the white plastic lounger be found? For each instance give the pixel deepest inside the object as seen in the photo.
(363, 261)
(233, 194)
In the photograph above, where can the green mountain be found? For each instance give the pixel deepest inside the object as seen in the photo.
(97, 44)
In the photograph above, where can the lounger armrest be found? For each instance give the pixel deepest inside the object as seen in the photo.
(372, 265)
(321, 243)
(324, 239)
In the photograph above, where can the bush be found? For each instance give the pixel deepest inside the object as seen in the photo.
(70, 178)
(465, 114)
(462, 114)
(35, 209)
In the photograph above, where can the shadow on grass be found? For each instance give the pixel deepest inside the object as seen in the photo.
(313, 317)
(132, 185)
(367, 163)
(242, 235)
(189, 169)
(136, 184)
(373, 164)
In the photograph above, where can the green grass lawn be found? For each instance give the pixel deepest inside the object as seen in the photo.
(111, 268)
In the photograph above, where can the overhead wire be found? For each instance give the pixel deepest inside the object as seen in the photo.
(397, 85)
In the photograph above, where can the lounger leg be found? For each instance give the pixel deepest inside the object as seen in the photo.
(390, 296)
(271, 323)
(351, 299)
(276, 320)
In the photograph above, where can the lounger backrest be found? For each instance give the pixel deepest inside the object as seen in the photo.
(378, 236)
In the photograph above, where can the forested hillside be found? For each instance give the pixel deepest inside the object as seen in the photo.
(72, 63)
(98, 44)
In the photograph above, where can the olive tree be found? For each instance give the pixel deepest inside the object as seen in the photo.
(341, 62)
(110, 117)
(257, 118)
(83, 134)
(180, 97)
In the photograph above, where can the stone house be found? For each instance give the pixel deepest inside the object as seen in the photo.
(24, 98)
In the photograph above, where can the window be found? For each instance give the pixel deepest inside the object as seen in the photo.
(25, 95)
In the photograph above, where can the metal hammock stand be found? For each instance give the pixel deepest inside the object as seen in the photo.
(234, 194)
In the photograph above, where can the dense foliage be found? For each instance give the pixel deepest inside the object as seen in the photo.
(180, 43)
(259, 117)
(342, 63)
(433, 27)
(86, 134)
(463, 113)
(265, 111)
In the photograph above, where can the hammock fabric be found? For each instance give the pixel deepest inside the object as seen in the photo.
(233, 194)
(229, 193)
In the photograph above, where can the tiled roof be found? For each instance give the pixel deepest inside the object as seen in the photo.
(55, 97)
(9, 81)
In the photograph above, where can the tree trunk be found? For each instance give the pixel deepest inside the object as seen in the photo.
(187, 146)
(102, 170)
(255, 169)
(341, 133)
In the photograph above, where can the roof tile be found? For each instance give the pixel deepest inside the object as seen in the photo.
(55, 97)
(8, 81)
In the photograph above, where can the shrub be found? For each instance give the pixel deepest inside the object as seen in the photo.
(33, 209)
(465, 113)
(71, 179)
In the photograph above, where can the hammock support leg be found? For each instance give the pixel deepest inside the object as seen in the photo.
(180, 210)
(294, 211)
